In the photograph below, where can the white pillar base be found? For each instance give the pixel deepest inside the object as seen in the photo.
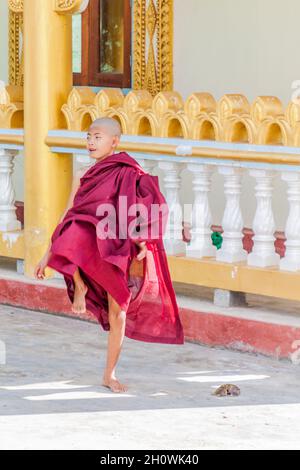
(227, 257)
(289, 265)
(200, 248)
(174, 247)
(263, 261)
(10, 226)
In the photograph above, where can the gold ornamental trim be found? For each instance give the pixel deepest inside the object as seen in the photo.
(70, 6)
(16, 5)
(153, 65)
(15, 52)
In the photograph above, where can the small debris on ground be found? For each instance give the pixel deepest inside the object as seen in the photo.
(227, 390)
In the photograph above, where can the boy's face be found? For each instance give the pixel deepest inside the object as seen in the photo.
(101, 143)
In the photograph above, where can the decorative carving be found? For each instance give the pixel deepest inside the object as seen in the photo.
(70, 6)
(200, 117)
(11, 107)
(153, 25)
(61, 6)
(165, 10)
(16, 56)
(16, 5)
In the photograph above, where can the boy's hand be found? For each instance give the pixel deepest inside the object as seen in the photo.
(143, 250)
(39, 271)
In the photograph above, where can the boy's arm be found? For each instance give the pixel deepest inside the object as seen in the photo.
(74, 189)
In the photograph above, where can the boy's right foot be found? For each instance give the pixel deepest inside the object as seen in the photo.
(78, 305)
(114, 385)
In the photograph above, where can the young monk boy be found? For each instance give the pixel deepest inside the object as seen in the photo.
(96, 262)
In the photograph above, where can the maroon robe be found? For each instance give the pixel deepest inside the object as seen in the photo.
(104, 264)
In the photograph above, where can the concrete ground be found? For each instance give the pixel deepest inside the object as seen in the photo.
(51, 397)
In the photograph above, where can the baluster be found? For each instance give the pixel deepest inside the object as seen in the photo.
(263, 253)
(232, 223)
(173, 234)
(201, 243)
(146, 164)
(291, 260)
(82, 161)
(8, 218)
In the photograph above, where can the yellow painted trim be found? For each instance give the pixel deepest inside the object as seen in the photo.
(209, 273)
(167, 149)
(16, 250)
(235, 277)
(11, 139)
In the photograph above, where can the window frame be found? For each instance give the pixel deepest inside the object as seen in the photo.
(90, 62)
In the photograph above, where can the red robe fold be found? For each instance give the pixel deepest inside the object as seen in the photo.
(104, 264)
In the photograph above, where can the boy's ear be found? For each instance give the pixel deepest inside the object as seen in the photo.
(116, 141)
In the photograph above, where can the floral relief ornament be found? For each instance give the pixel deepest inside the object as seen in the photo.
(71, 6)
(61, 6)
(16, 5)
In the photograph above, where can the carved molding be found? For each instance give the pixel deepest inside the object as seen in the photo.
(153, 65)
(200, 117)
(15, 52)
(61, 6)
(11, 107)
(16, 6)
(70, 6)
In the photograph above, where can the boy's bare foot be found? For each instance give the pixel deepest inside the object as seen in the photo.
(78, 305)
(113, 384)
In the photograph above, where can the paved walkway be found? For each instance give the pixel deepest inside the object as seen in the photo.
(51, 398)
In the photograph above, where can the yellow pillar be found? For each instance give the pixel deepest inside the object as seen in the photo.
(47, 83)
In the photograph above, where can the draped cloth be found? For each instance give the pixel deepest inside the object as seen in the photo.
(101, 206)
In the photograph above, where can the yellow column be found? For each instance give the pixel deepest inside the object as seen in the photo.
(47, 83)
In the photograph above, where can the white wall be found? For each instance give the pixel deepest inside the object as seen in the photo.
(3, 41)
(244, 46)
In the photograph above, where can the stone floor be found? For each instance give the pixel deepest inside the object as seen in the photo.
(51, 397)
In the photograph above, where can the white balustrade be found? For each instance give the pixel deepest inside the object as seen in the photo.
(263, 253)
(201, 243)
(8, 218)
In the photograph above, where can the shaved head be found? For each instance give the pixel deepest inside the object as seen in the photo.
(111, 126)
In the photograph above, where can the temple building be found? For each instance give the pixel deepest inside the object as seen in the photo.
(207, 95)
